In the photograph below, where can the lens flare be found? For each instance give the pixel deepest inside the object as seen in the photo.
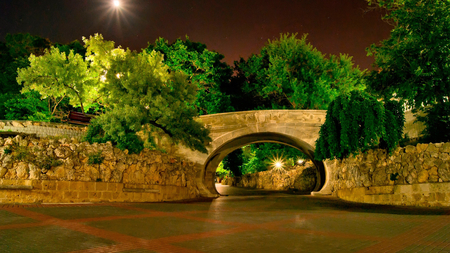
(277, 163)
(116, 3)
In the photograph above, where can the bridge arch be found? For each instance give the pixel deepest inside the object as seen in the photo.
(223, 150)
(229, 131)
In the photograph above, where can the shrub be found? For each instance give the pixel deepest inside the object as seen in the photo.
(126, 139)
(437, 122)
(356, 122)
(95, 158)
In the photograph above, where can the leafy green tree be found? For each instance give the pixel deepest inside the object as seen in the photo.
(261, 156)
(140, 94)
(437, 122)
(58, 75)
(14, 53)
(233, 161)
(27, 106)
(204, 68)
(290, 73)
(75, 46)
(357, 122)
(413, 65)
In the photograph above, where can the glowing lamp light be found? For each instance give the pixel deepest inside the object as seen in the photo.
(278, 164)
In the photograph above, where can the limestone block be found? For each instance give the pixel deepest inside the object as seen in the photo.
(22, 170)
(423, 176)
(444, 157)
(434, 176)
(62, 152)
(35, 173)
(444, 171)
(16, 124)
(432, 148)
(445, 147)
(3, 172)
(410, 149)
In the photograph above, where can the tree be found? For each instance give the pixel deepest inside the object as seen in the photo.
(27, 106)
(140, 94)
(356, 122)
(14, 53)
(261, 156)
(58, 75)
(75, 45)
(290, 73)
(413, 65)
(204, 68)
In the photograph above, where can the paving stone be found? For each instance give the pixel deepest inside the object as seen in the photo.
(258, 221)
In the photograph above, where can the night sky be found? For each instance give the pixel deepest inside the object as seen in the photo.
(231, 27)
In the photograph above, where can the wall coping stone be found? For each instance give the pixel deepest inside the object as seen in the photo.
(140, 190)
(16, 187)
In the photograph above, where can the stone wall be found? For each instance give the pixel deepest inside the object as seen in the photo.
(34, 170)
(43, 129)
(414, 176)
(299, 178)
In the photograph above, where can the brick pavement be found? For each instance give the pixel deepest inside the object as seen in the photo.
(252, 221)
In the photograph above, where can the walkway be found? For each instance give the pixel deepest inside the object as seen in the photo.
(261, 222)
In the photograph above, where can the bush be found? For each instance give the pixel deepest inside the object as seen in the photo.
(356, 122)
(126, 139)
(437, 122)
(95, 158)
(27, 106)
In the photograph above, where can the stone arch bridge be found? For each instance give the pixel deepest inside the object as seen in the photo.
(230, 131)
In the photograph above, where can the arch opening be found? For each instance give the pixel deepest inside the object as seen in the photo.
(221, 152)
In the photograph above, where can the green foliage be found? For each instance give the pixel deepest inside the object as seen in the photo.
(58, 75)
(413, 64)
(289, 73)
(221, 172)
(74, 46)
(260, 157)
(95, 158)
(125, 138)
(7, 151)
(14, 53)
(140, 94)
(357, 122)
(203, 68)
(233, 161)
(47, 162)
(27, 106)
(394, 176)
(21, 154)
(437, 122)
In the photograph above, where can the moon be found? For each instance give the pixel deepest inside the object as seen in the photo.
(116, 3)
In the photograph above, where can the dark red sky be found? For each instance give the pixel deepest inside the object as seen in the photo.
(233, 28)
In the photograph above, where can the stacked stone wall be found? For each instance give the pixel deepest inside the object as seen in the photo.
(39, 170)
(413, 175)
(43, 129)
(300, 178)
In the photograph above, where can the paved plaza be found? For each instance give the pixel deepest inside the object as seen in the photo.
(244, 221)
